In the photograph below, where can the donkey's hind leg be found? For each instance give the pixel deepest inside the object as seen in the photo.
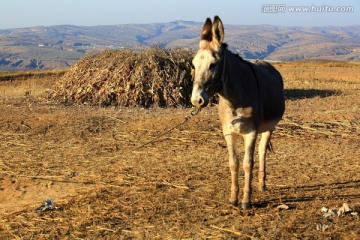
(263, 147)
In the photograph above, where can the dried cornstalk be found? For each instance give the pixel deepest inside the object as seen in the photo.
(127, 77)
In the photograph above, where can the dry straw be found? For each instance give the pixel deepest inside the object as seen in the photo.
(150, 77)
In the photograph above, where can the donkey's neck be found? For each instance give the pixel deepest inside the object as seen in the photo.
(240, 89)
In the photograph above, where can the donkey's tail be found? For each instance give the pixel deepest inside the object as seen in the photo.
(270, 147)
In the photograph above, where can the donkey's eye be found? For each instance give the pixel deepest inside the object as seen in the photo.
(212, 65)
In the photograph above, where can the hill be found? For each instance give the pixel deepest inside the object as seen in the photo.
(51, 47)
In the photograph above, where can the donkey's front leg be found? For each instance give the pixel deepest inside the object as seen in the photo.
(249, 141)
(234, 168)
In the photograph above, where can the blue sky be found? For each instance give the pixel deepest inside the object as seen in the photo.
(27, 13)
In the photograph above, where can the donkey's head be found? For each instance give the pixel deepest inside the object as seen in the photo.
(208, 63)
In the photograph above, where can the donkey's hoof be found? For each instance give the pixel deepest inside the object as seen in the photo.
(245, 205)
(234, 203)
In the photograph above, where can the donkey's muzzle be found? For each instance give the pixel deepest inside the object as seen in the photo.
(199, 98)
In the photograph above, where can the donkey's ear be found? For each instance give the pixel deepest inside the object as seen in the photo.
(206, 32)
(218, 31)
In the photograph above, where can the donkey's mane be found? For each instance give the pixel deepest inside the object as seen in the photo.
(226, 47)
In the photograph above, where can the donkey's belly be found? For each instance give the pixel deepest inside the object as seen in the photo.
(241, 125)
(268, 125)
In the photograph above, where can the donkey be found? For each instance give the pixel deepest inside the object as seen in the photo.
(251, 102)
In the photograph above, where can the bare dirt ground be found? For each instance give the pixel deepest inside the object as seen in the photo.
(178, 186)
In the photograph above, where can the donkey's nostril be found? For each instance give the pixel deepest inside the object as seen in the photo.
(201, 101)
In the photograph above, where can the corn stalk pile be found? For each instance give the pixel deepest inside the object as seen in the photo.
(150, 77)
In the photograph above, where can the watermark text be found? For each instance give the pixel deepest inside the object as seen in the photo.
(283, 8)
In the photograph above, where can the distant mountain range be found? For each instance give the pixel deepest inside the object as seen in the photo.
(36, 48)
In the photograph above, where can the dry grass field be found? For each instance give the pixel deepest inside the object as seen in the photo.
(178, 186)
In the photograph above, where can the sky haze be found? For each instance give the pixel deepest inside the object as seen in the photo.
(26, 13)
